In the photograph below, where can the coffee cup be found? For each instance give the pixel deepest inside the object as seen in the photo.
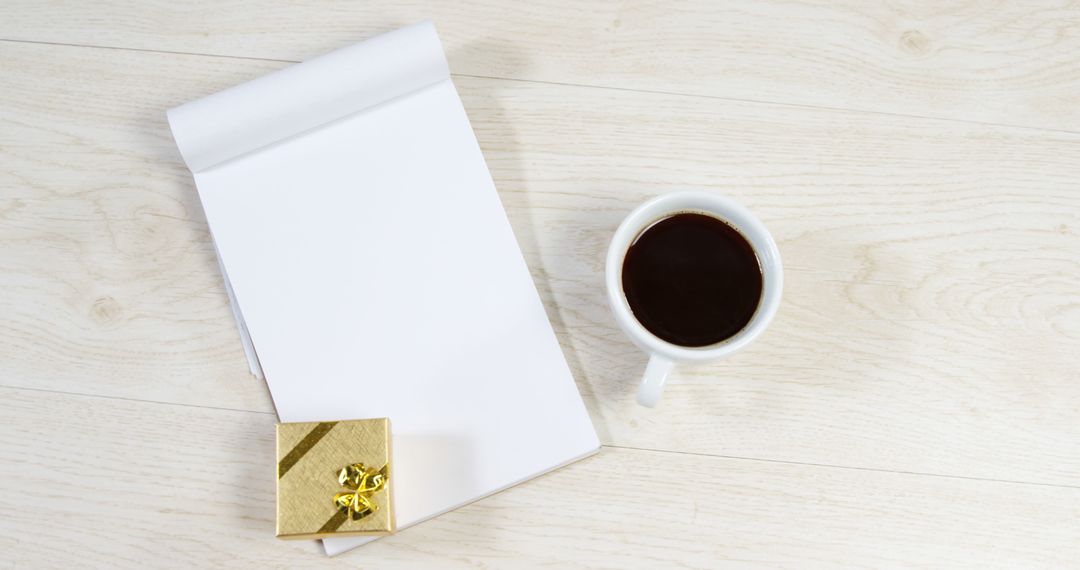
(663, 353)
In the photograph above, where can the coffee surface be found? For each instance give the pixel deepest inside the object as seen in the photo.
(692, 280)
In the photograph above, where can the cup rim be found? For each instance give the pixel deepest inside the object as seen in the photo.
(725, 209)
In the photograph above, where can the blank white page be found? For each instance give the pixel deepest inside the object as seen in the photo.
(377, 275)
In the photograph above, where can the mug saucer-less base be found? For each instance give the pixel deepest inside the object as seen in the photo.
(664, 355)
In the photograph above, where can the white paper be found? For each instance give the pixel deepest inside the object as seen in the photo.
(292, 101)
(376, 271)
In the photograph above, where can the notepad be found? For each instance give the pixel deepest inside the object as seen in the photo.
(373, 271)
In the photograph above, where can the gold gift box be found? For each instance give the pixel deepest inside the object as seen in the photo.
(334, 479)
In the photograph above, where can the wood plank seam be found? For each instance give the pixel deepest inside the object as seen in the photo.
(581, 85)
(611, 446)
(852, 467)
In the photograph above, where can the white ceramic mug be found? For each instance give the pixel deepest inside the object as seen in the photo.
(664, 355)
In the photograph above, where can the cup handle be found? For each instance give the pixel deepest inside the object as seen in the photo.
(652, 383)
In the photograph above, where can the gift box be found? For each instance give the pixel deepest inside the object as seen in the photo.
(334, 479)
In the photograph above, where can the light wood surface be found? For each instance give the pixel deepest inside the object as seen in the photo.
(994, 61)
(917, 400)
(199, 492)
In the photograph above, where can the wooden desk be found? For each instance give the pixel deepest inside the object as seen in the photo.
(916, 401)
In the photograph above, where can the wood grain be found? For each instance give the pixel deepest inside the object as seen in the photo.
(993, 61)
(931, 311)
(89, 481)
(109, 273)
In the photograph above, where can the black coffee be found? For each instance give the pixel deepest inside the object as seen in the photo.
(692, 280)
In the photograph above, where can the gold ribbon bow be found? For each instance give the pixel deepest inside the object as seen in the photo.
(362, 482)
